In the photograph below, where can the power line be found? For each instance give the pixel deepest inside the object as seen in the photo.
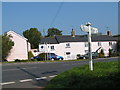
(57, 13)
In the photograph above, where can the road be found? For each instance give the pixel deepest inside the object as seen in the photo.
(37, 74)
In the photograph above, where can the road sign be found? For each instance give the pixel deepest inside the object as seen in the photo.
(94, 30)
(84, 28)
(87, 28)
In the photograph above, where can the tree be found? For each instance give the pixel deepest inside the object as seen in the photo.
(33, 36)
(7, 44)
(53, 31)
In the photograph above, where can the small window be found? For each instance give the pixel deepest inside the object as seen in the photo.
(52, 47)
(99, 43)
(42, 47)
(110, 43)
(67, 53)
(86, 44)
(68, 45)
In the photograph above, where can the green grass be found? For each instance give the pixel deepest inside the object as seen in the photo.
(105, 75)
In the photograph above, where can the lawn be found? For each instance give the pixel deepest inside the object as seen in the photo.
(105, 75)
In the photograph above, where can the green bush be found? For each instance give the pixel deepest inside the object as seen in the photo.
(17, 60)
(30, 55)
(101, 54)
(42, 56)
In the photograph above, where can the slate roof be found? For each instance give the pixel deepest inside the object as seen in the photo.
(77, 38)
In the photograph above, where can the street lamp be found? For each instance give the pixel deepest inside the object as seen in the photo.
(87, 28)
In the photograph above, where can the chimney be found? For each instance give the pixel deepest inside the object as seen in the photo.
(73, 33)
(108, 33)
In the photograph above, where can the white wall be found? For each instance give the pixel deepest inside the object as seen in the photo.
(19, 50)
(77, 48)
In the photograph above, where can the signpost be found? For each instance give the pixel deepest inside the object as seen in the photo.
(87, 28)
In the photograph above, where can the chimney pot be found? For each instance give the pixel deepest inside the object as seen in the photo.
(73, 33)
(108, 33)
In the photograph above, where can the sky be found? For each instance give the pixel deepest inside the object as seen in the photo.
(20, 16)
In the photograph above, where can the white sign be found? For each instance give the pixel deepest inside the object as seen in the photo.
(86, 29)
(94, 30)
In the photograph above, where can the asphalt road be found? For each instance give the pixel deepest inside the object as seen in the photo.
(37, 74)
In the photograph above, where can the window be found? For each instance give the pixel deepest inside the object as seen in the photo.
(86, 44)
(68, 45)
(99, 43)
(67, 53)
(42, 47)
(110, 43)
(52, 48)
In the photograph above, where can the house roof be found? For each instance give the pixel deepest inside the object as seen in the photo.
(77, 38)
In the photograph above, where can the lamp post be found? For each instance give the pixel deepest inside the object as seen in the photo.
(87, 28)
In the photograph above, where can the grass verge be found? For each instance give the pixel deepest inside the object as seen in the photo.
(105, 75)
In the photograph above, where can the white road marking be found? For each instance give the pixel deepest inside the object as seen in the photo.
(41, 78)
(25, 80)
(6, 83)
(53, 76)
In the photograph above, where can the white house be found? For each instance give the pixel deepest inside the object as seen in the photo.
(20, 48)
(69, 46)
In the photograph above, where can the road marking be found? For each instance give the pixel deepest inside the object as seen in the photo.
(26, 80)
(53, 76)
(7, 83)
(41, 78)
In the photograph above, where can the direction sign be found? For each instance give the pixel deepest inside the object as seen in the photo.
(84, 28)
(94, 30)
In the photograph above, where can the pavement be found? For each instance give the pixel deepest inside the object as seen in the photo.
(37, 74)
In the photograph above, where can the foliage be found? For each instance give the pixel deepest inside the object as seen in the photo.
(33, 36)
(110, 52)
(54, 31)
(7, 44)
(105, 75)
(18, 60)
(30, 55)
(42, 56)
(101, 54)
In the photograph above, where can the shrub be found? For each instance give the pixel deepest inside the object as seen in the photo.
(17, 60)
(30, 55)
(42, 56)
(101, 54)
(110, 52)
